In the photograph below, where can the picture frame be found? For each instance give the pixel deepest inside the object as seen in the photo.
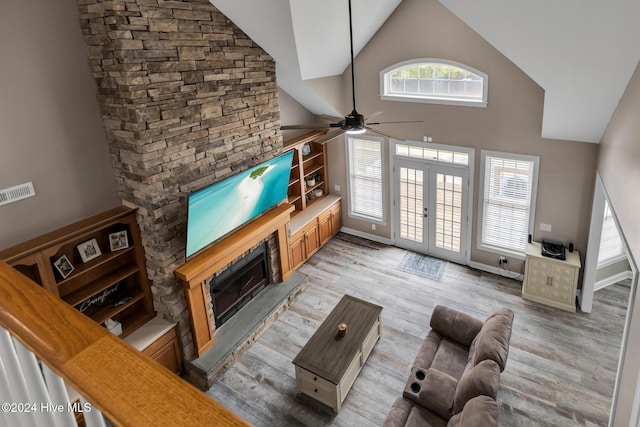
(89, 250)
(64, 266)
(118, 240)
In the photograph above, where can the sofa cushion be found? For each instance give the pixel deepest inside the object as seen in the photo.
(433, 390)
(492, 342)
(427, 350)
(481, 411)
(450, 358)
(455, 325)
(482, 379)
(421, 417)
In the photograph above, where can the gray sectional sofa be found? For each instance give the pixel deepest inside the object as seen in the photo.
(456, 374)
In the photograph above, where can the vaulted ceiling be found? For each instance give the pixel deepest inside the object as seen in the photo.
(581, 52)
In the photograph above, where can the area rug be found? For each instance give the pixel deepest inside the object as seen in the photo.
(422, 265)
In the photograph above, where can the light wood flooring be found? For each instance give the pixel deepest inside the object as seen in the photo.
(560, 372)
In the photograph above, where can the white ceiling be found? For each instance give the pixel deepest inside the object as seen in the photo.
(582, 52)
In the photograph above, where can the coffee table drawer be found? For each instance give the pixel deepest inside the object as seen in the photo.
(318, 388)
(308, 377)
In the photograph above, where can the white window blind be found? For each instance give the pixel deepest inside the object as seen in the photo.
(365, 178)
(507, 200)
(611, 246)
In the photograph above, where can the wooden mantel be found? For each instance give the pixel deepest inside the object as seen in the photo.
(197, 270)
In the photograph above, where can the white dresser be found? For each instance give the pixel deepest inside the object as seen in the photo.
(551, 281)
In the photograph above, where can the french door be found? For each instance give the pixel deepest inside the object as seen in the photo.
(431, 209)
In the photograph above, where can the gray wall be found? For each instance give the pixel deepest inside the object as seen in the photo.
(50, 127)
(511, 122)
(619, 166)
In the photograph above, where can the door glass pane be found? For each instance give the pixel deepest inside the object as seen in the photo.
(411, 204)
(448, 212)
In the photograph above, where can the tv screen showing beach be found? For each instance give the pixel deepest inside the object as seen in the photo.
(224, 206)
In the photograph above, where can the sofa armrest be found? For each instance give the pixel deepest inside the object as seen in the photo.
(398, 414)
(455, 325)
(433, 390)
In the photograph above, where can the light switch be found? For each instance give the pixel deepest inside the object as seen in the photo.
(336, 187)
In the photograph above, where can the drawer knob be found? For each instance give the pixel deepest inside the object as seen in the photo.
(315, 391)
(315, 378)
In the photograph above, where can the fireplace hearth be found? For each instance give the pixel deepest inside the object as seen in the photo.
(238, 284)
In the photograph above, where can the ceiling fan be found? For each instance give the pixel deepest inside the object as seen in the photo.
(353, 123)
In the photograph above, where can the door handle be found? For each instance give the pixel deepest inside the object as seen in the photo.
(426, 212)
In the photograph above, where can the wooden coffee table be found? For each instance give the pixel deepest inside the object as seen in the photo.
(328, 364)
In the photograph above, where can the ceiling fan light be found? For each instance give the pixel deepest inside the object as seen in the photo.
(356, 130)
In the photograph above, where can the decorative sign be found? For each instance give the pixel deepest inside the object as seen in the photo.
(107, 297)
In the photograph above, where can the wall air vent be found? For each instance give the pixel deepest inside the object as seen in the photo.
(19, 192)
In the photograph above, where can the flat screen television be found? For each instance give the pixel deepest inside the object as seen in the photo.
(224, 206)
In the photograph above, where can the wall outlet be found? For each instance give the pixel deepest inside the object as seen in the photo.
(545, 227)
(373, 226)
(502, 260)
(336, 187)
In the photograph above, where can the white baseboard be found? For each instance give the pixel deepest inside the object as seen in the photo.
(495, 270)
(373, 237)
(477, 265)
(601, 284)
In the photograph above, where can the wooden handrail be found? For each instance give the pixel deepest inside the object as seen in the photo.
(127, 387)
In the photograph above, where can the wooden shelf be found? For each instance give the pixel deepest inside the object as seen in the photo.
(303, 167)
(88, 280)
(101, 284)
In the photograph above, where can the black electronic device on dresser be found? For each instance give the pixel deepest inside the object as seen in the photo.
(553, 249)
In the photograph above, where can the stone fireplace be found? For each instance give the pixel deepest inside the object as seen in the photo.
(187, 99)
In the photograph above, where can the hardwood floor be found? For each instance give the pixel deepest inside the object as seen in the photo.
(560, 372)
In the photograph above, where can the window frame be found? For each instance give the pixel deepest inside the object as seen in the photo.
(484, 155)
(609, 224)
(350, 182)
(442, 100)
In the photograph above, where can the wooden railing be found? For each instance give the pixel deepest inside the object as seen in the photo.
(128, 388)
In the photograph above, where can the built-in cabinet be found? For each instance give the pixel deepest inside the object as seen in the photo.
(97, 266)
(314, 227)
(307, 182)
(551, 281)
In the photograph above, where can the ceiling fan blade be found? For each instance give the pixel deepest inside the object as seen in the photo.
(329, 136)
(383, 134)
(402, 121)
(330, 118)
(371, 116)
(289, 127)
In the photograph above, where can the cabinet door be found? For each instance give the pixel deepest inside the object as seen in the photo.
(325, 229)
(297, 254)
(537, 282)
(561, 283)
(311, 239)
(336, 218)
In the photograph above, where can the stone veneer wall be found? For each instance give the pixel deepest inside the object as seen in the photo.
(187, 99)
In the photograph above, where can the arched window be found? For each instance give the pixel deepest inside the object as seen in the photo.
(437, 81)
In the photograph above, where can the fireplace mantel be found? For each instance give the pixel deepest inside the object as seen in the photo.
(198, 269)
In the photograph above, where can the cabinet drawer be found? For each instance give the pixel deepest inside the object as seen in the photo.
(306, 376)
(321, 390)
(370, 340)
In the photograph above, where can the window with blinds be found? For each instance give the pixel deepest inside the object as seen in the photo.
(366, 186)
(611, 246)
(507, 198)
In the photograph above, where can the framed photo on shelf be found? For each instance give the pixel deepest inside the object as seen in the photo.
(64, 266)
(89, 250)
(118, 240)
